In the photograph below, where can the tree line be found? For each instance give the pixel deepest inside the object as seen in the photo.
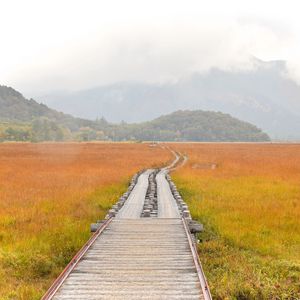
(179, 126)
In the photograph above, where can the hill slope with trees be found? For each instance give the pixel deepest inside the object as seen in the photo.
(264, 96)
(27, 120)
(196, 125)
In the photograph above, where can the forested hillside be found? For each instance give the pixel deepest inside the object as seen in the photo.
(264, 96)
(194, 126)
(14, 107)
(27, 120)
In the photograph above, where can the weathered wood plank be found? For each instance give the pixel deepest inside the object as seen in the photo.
(132, 266)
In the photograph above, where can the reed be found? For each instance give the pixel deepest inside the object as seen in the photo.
(248, 197)
(49, 195)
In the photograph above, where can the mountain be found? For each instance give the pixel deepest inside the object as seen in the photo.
(264, 96)
(15, 108)
(192, 126)
(27, 120)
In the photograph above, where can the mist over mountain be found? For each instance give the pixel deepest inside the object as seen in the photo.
(28, 120)
(264, 96)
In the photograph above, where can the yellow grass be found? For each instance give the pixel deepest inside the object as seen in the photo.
(249, 203)
(49, 195)
(248, 197)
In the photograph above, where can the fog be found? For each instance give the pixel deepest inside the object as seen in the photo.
(70, 45)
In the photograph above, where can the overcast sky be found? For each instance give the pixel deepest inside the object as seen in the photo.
(49, 45)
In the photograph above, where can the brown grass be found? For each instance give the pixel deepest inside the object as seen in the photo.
(49, 194)
(250, 205)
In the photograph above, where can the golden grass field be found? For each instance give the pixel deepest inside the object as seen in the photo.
(49, 195)
(248, 197)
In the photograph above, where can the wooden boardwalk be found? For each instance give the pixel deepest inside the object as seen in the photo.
(167, 207)
(133, 206)
(134, 257)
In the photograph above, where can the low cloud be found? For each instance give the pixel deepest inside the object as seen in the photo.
(77, 55)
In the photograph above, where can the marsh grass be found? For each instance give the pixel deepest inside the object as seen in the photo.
(33, 262)
(249, 206)
(49, 195)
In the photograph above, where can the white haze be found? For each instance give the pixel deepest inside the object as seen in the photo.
(70, 45)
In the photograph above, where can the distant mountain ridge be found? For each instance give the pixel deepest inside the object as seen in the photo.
(27, 120)
(264, 96)
(195, 125)
(14, 107)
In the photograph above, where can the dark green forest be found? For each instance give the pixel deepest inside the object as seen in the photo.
(28, 120)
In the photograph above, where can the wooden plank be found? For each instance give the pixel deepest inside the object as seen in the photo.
(105, 272)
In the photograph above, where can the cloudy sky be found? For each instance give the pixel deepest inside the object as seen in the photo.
(49, 45)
